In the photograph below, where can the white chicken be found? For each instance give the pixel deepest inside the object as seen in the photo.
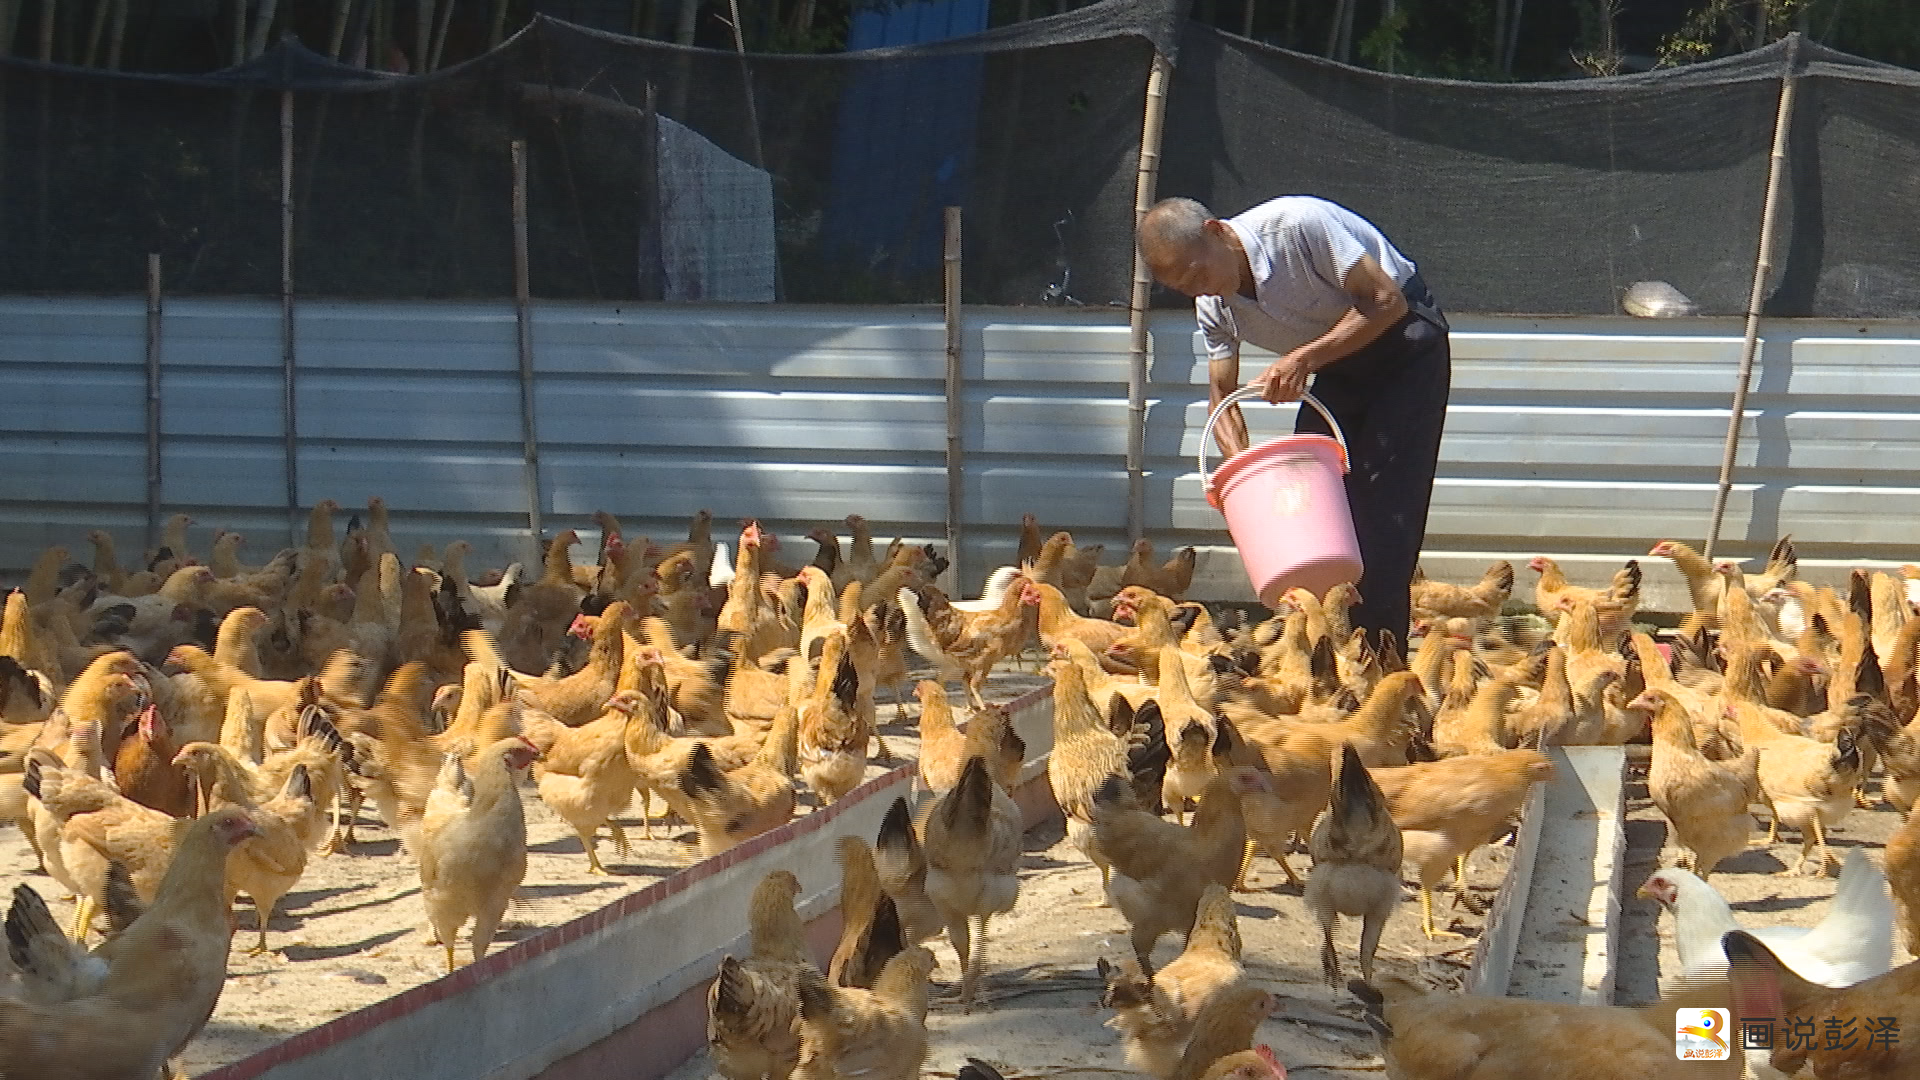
(1852, 944)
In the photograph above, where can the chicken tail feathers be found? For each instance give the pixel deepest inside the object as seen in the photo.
(27, 920)
(702, 775)
(1375, 1008)
(123, 904)
(816, 997)
(896, 851)
(975, 1069)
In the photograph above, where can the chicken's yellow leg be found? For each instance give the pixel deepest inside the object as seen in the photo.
(1426, 917)
(646, 812)
(449, 958)
(590, 841)
(1246, 862)
(82, 917)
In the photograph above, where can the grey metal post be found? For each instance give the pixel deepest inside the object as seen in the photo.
(955, 451)
(289, 425)
(153, 401)
(523, 310)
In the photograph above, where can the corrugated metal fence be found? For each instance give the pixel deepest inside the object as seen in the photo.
(1586, 439)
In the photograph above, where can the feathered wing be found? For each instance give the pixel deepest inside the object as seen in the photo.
(1855, 940)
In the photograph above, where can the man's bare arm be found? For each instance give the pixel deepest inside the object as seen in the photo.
(1223, 378)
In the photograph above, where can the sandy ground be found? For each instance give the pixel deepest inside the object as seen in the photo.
(353, 931)
(1038, 1013)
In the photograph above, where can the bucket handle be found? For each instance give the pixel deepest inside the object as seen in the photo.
(1252, 393)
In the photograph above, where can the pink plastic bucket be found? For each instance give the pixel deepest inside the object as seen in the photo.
(1286, 507)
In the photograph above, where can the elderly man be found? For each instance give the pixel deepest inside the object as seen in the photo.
(1324, 290)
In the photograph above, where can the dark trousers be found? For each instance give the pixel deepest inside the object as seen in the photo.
(1391, 401)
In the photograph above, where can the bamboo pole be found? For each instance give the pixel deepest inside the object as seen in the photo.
(153, 401)
(1144, 183)
(1762, 267)
(289, 398)
(956, 453)
(49, 11)
(523, 312)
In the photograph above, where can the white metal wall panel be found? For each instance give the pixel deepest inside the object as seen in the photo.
(1587, 439)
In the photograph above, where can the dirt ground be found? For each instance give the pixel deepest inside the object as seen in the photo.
(353, 931)
(1038, 1013)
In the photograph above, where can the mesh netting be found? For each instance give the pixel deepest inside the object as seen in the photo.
(665, 173)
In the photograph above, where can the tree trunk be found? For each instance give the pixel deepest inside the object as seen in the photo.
(1333, 32)
(1025, 12)
(687, 22)
(239, 32)
(1246, 19)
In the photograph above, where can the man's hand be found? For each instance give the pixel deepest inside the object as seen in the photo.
(1286, 380)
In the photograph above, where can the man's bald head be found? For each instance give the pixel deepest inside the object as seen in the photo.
(1172, 227)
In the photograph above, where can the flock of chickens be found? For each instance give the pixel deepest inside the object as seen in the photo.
(176, 736)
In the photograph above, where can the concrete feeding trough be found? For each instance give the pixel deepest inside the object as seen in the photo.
(1553, 934)
(622, 991)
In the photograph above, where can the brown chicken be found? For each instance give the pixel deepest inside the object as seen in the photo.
(1553, 588)
(269, 864)
(1155, 1016)
(878, 1034)
(581, 697)
(973, 854)
(473, 843)
(1058, 622)
(1356, 851)
(143, 766)
(1807, 784)
(585, 777)
(833, 734)
(753, 1005)
(1299, 760)
(1886, 1005)
(1085, 753)
(1706, 801)
(1441, 1035)
(97, 826)
(942, 744)
(1436, 600)
(1224, 1028)
(1171, 579)
(731, 808)
(870, 932)
(163, 976)
(967, 644)
(1159, 868)
(1445, 809)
